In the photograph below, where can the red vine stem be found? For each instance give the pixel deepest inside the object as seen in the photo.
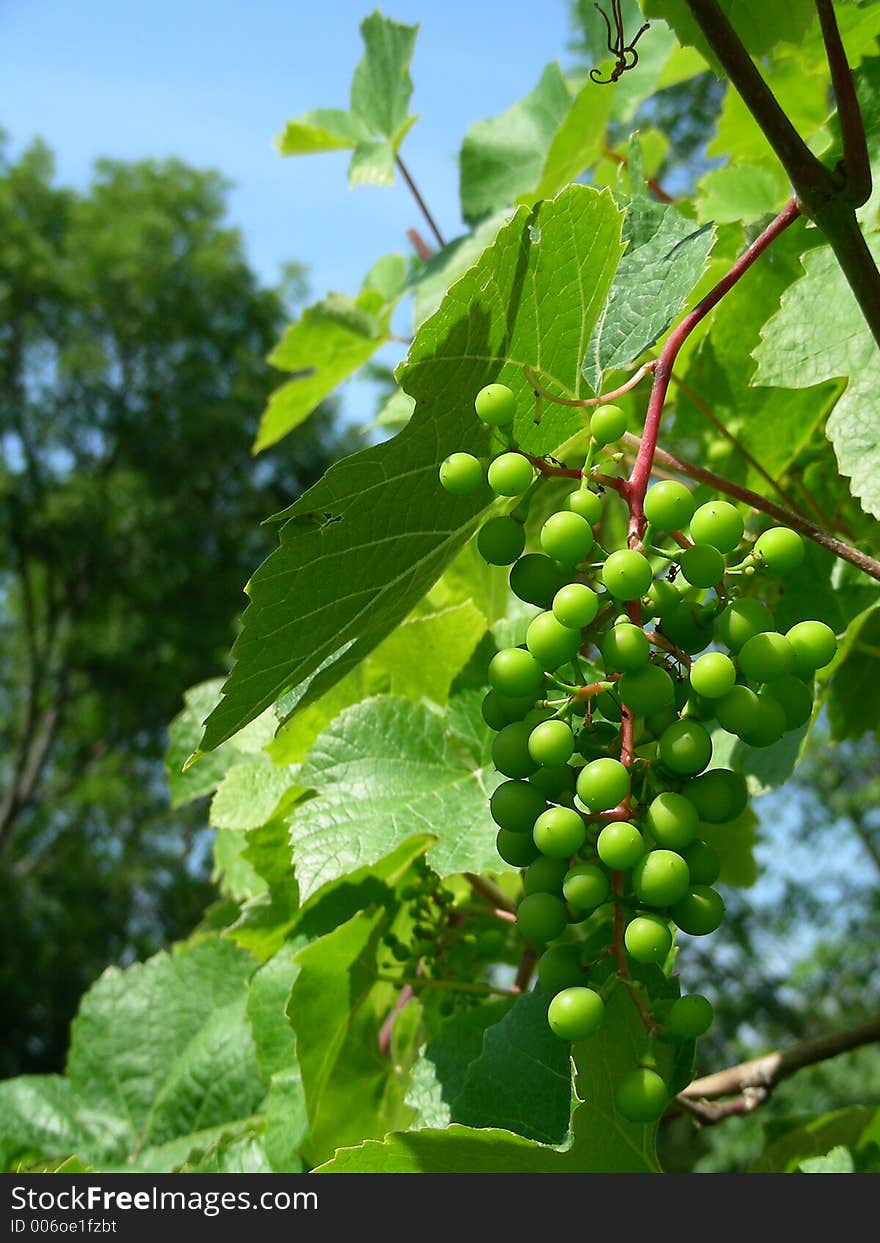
(641, 472)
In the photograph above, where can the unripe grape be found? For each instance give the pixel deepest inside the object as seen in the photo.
(703, 862)
(556, 782)
(585, 503)
(585, 887)
(501, 540)
(607, 424)
(511, 474)
(515, 673)
(551, 743)
(647, 691)
(702, 565)
(516, 805)
(551, 643)
(647, 938)
(766, 656)
(737, 710)
(660, 878)
(566, 537)
(713, 675)
(460, 474)
(794, 697)
(684, 627)
(536, 579)
(575, 1013)
(699, 912)
(627, 574)
(559, 967)
(499, 710)
(656, 722)
(669, 505)
(814, 646)
(541, 917)
(768, 723)
(719, 524)
(780, 549)
(719, 795)
(625, 648)
(620, 845)
(672, 821)
(510, 751)
(559, 832)
(641, 1096)
(603, 784)
(545, 875)
(690, 1016)
(661, 598)
(517, 849)
(495, 405)
(741, 620)
(685, 748)
(605, 704)
(575, 605)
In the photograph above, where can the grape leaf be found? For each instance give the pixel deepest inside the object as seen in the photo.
(287, 1124)
(855, 1128)
(252, 792)
(237, 1153)
(440, 1073)
(505, 156)
(451, 262)
(274, 1041)
(759, 25)
(741, 192)
(818, 334)
(423, 655)
(360, 548)
(322, 129)
(40, 1119)
(384, 770)
(577, 143)
(838, 1161)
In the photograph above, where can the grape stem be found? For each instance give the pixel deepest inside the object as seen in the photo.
(487, 889)
(585, 402)
(422, 205)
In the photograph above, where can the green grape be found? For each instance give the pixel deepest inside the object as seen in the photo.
(517, 849)
(536, 579)
(559, 832)
(703, 862)
(511, 474)
(575, 1013)
(647, 691)
(737, 710)
(545, 875)
(541, 917)
(699, 708)
(607, 424)
(718, 524)
(501, 540)
(499, 710)
(766, 656)
(607, 705)
(699, 912)
(686, 629)
(661, 598)
(641, 1096)
(585, 503)
(741, 620)
(536, 715)
(780, 549)
(575, 605)
(627, 574)
(559, 967)
(510, 751)
(669, 505)
(794, 697)
(585, 887)
(495, 405)
(551, 643)
(685, 748)
(460, 474)
(516, 805)
(515, 673)
(814, 646)
(556, 783)
(690, 1017)
(718, 795)
(660, 878)
(647, 938)
(713, 675)
(566, 537)
(656, 722)
(701, 565)
(767, 725)
(625, 648)
(672, 821)
(595, 739)
(603, 784)
(551, 743)
(620, 845)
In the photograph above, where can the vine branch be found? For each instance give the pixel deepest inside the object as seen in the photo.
(856, 161)
(423, 206)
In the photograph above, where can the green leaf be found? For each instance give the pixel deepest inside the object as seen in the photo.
(664, 259)
(381, 86)
(804, 1139)
(521, 1081)
(453, 1150)
(327, 344)
(395, 413)
(274, 1041)
(242, 1153)
(39, 1120)
(424, 654)
(505, 156)
(287, 1124)
(577, 143)
(322, 129)
(838, 1161)
(372, 163)
(440, 1073)
(759, 25)
(270, 910)
(385, 770)
(819, 334)
(741, 192)
(337, 1008)
(448, 264)
(854, 697)
(252, 792)
(360, 548)
(734, 843)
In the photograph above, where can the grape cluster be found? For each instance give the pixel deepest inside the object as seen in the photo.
(601, 722)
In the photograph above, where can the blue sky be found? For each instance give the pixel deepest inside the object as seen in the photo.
(213, 81)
